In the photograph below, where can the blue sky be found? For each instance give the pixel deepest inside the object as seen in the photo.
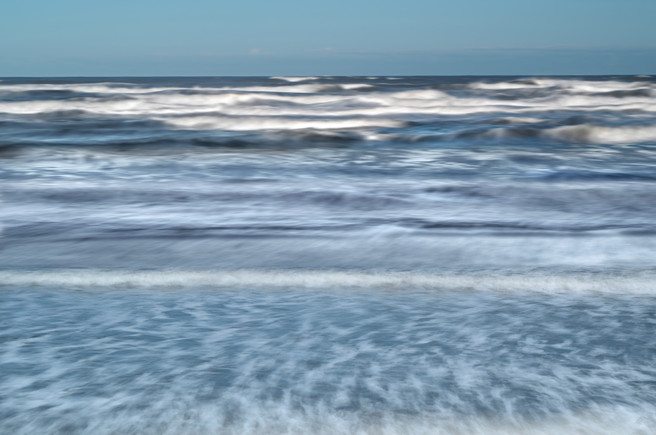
(257, 37)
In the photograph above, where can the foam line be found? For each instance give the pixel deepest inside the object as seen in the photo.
(643, 283)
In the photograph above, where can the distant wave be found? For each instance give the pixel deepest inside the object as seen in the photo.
(296, 105)
(581, 86)
(292, 79)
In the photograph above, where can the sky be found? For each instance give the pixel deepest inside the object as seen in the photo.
(309, 37)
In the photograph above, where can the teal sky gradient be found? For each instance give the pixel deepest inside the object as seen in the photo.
(256, 37)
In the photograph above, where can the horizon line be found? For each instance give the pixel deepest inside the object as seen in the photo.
(646, 75)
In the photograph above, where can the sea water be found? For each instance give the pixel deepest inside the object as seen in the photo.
(328, 255)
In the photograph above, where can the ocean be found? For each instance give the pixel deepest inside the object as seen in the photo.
(430, 255)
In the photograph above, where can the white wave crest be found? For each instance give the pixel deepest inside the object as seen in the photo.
(572, 85)
(501, 85)
(279, 123)
(294, 79)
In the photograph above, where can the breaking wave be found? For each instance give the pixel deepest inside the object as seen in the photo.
(291, 79)
(313, 103)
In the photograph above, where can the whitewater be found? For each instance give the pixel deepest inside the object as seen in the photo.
(203, 255)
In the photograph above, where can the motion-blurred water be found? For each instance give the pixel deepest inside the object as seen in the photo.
(288, 254)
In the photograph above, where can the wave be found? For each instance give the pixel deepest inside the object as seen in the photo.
(583, 133)
(605, 135)
(272, 123)
(502, 86)
(310, 104)
(293, 79)
(397, 106)
(636, 283)
(130, 89)
(580, 86)
(89, 88)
